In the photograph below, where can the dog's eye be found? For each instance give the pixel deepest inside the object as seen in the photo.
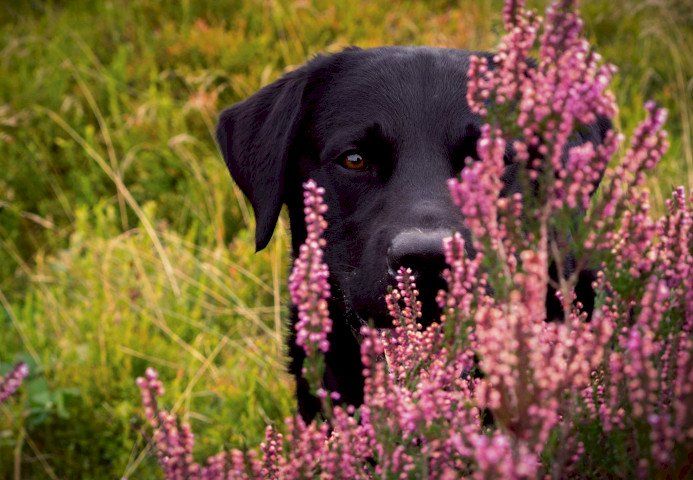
(353, 161)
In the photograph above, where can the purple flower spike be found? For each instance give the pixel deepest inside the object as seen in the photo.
(10, 384)
(308, 283)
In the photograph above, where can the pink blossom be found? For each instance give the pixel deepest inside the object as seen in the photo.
(308, 282)
(12, 381)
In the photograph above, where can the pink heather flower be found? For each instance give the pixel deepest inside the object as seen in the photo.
(530, 364)
(648, 145)
(11, 382)
(501, 82)
(407, 344)
(645, 374)
(675, 254)
(308, 445)
(496, 458)
(174, 442)
(478, 190)
(348, 448)
(308, 284)
(632, 243)
(567, 87)
(466, 287)
(513, 11)
(271, 454)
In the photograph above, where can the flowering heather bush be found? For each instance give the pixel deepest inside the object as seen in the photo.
(12, 381)
(310, 290)
(493, 390)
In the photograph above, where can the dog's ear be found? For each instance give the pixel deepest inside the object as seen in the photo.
(255, 138)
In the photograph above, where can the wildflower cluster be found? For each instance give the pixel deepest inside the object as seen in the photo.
(12, 381)
(493, 389)
(174, 442)
(309, 287)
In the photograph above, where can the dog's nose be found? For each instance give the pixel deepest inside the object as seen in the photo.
(420, 250)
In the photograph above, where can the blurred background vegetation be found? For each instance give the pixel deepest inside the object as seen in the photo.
(123, 242)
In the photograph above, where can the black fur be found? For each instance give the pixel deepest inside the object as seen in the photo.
(404, 110)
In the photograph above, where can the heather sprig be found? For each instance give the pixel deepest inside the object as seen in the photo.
(11, 382)
(644, 384)
(537, 106)
(466, 289)
(174, 441)
(310, 290)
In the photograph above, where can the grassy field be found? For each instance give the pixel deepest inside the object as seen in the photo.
(123, 242)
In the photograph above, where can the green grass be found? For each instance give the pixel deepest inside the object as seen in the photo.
(124, 244)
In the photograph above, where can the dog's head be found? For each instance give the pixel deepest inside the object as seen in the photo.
(381, 130)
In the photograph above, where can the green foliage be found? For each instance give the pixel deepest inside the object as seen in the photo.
(124, 244)
(103, 309)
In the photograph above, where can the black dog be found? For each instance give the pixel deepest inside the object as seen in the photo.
(382, 130)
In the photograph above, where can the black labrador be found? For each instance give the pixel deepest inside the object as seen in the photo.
(382, 130)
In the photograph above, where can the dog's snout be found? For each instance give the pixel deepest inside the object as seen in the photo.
(419, 250)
